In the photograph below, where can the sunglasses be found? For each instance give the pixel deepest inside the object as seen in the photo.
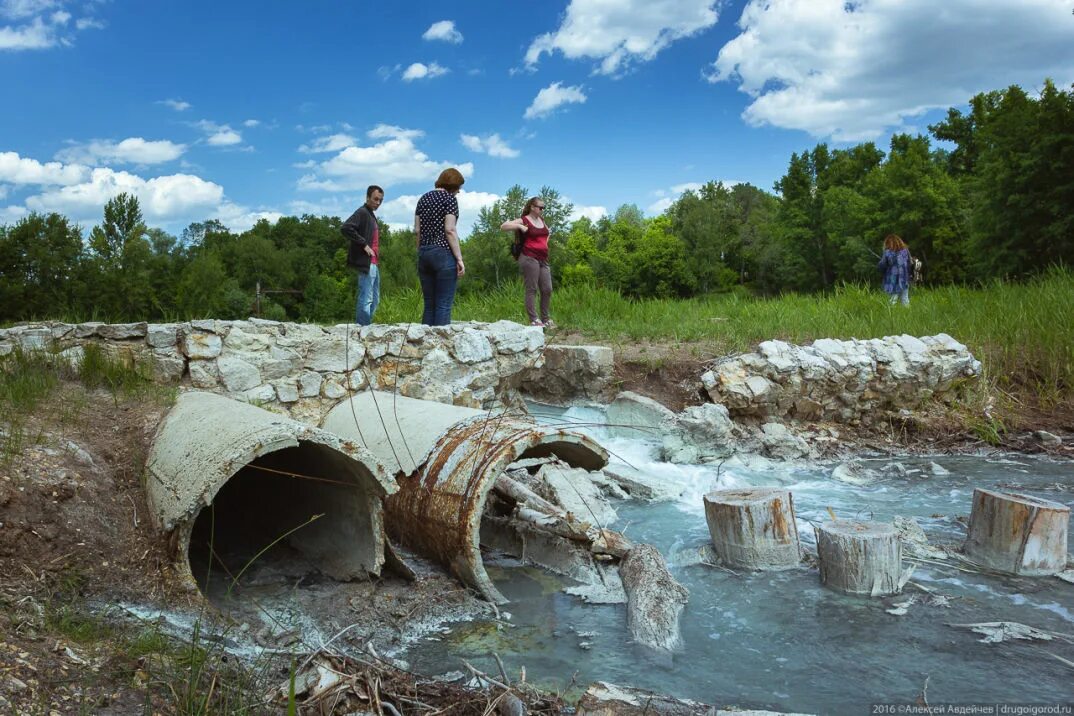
(538, 206)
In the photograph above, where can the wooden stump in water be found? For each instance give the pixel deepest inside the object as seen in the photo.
(654, 599)
(753, 528)
(1018, 534)
(860, 557)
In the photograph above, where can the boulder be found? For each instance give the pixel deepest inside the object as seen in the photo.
(636, 416)
(570, 372)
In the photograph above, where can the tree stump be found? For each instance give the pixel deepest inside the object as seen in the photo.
(654, 599)
(1017, 534)
(860, 557)
(753, 528)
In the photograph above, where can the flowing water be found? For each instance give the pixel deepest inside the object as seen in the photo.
(780, 640)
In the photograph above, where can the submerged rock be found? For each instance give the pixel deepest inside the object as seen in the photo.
(855, 473)
(1048, 439)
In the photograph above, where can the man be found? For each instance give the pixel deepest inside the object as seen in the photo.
(364, 234)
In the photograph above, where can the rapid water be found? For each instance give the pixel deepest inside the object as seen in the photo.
(779, 640)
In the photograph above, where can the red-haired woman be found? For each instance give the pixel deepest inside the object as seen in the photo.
(895, 263)
(440, 263)
(533, 261)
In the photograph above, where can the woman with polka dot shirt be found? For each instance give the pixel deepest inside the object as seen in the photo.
(439, 256)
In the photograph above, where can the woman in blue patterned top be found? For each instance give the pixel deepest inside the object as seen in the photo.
(895, 263)
(439, 256)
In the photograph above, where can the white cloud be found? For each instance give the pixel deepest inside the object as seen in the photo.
(177, 104)
(419, 71)
(239, 218)
(23, 170)
(133, 150)
(491, 144)
(670, 196)
(617, 32)
(219, 135)
(80, 193)
(224, 137)
(852, 70)
(252, 123)
(89, 23)
(11, 214)
(443, 30)
(552, 97)
(395, 159)
(399, 211)
(164, 197)
(39, 24)
(331, 143)
(593, 213)
(34, 36)
(22, 9)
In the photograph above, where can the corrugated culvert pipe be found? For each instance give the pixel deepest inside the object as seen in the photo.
(446, 459)
(239, 488)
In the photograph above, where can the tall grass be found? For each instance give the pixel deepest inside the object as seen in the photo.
(29, 380)
(1022, 332)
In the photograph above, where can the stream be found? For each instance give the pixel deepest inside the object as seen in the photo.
(779, 640)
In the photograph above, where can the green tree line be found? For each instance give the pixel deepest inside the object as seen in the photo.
(992, 201)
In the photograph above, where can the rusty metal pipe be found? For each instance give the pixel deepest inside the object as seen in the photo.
(446, 459)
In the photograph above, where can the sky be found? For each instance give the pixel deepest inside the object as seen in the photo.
(242, 110)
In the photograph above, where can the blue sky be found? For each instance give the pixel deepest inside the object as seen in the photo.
(239, 110)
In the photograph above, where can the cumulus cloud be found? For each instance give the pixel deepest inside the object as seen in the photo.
(392, 158)
(15, 169)
(239, 218)
(22, 9)
(11, 214)
(252, 123)
(667, 197)
(164, 197)
(853, 70)
(419, 71)
(444, 31)
(133, 150)
(219, 135)
(177, 104)
(80, 193)
(492, 144)
(399, 211)
(89, 23)
(618, 32)
(37, 25)
(593, 213)
(331, 143)
(552, 97)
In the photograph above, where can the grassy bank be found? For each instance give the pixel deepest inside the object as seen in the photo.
(1022, 332)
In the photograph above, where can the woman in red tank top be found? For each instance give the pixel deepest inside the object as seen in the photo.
(533, 261)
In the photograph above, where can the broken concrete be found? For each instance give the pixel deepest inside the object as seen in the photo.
(447, 460)
(264, 479)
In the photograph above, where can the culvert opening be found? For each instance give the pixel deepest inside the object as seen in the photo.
(297, 515)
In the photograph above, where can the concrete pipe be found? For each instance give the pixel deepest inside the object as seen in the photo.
(282, 495)
(446, 459)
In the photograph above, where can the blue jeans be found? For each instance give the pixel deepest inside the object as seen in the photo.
(438, 275)
(368, 296)
(903, 295)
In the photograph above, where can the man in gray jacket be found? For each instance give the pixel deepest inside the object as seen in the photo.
(363, 233)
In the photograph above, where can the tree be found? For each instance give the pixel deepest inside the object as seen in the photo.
(39, 258)
(120, 254)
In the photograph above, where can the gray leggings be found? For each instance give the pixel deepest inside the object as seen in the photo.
(536, 275)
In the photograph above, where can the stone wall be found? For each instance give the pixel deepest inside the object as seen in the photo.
(842, 381)
(302, 369)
